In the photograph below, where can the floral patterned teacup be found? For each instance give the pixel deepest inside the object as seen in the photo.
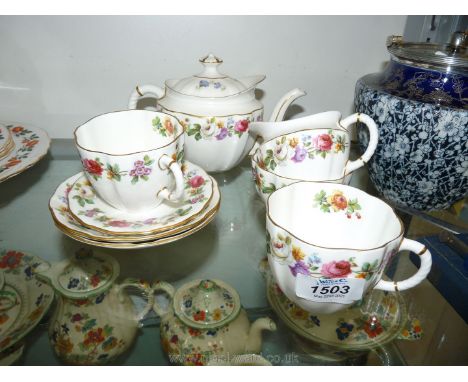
(334, 232)
(268, 181)
(126, 156)
(313, 148)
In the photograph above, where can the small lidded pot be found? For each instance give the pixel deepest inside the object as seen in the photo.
(95, 320)
(206, 321)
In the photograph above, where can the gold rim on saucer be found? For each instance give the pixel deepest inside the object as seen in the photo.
(147, 244)
(138, 238)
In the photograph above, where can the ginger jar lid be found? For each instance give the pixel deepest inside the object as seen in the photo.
(87, 274)
(205, 304)
(211, 83)
(451, 56)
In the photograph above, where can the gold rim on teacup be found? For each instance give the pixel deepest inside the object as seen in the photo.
(127, 111)
(400, 235)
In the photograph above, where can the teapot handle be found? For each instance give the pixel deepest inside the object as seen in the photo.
(144, 90)
(164, 287)
(142, 285)
(373, 140)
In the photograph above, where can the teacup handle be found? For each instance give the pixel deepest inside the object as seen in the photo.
(168, 289)
(145, 287)
(166, 162)
(141, 91)
(373, 140)
(419, 276)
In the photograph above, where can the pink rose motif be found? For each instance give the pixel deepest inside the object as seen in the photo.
(197, 181)
(241, 126)
(322, 142)
(336, 269)
(119, 223)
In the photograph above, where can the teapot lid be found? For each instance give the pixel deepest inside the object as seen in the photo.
(87, 274)
(210, 83)
(206, 304)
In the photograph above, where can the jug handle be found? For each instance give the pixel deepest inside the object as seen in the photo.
(144, 90)
(142, 285)
(418, 277)
(168, 289)
(373, 140)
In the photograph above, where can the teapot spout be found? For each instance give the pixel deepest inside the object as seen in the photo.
(254, 339)
(282, 105)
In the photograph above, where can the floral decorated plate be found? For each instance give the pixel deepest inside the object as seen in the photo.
(31, 297)
(203, 221)
(30, 145)
(372, 322)
(87, 208)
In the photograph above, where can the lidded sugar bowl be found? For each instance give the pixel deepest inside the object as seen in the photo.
(206, 321)
(215, 110)
(95, 319)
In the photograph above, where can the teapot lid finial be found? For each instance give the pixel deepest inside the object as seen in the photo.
(211, 59)
(206, 304)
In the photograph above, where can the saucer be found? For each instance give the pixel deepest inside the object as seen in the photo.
(87, 208)
(33, 298)
(372, 322)
(58, 206)
(144, 244)
(30, 145)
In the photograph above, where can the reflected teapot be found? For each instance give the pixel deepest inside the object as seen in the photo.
(95, 320)
(206, 322)
(216, 111)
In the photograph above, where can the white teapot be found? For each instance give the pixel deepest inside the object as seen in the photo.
(215, 110)
(206, 322)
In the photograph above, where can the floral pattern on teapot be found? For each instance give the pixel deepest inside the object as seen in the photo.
(190, 352)
(207, 84)
(297, 149)
(80, 339)
(218, 128)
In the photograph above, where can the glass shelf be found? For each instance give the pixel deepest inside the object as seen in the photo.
(230, 248)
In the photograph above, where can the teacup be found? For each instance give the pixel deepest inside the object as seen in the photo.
(132, 158)
(267, 181)
(325, 233)
(315, 147)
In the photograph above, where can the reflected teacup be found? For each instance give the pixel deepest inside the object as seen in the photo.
(132, 158)
(326, 240)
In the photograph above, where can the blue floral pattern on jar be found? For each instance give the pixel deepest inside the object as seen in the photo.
(421, 160)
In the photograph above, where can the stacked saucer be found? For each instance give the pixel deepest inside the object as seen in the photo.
(20, 148)
(123, 200)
